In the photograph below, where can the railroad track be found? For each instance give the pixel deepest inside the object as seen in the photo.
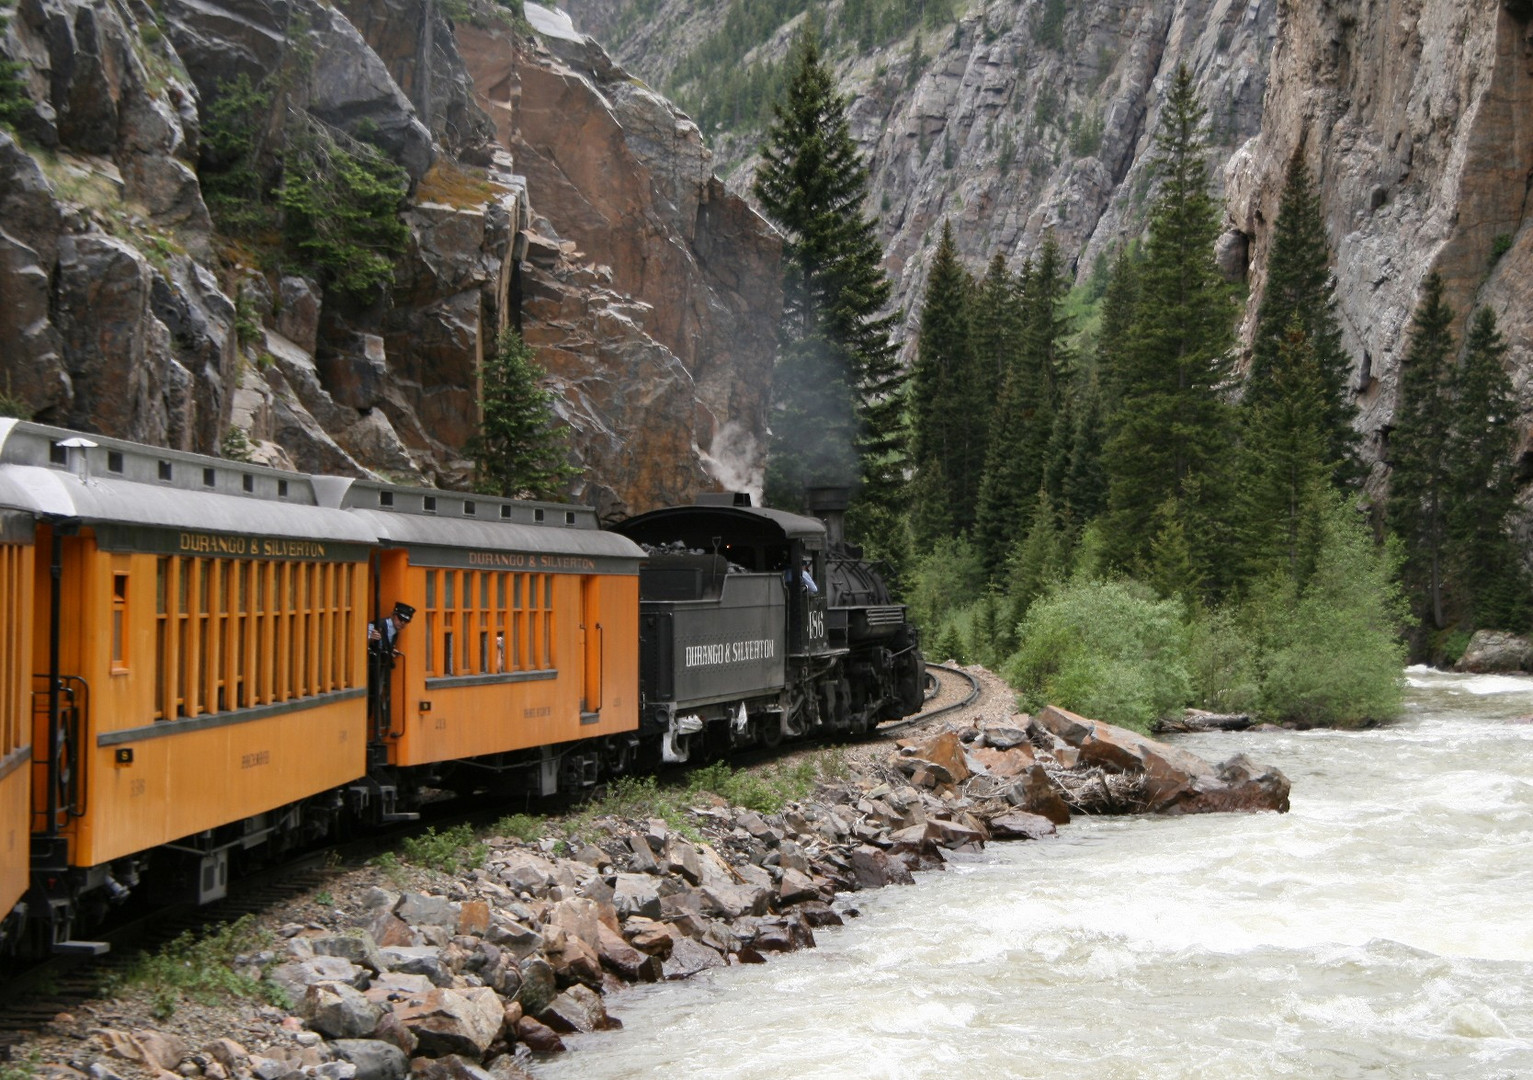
(928, 714)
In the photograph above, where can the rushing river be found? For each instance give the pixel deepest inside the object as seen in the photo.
(1382, 928)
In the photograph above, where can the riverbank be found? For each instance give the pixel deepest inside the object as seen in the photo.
(518, 938)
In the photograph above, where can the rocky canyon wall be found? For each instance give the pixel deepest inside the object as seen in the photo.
(1414, 115)
(548, 192)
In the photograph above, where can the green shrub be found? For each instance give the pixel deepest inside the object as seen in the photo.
(446, 851)
(1332, 655)
(1222, 660)
(525, 827)
(340, 199)
(1106, 649)
(201, 967)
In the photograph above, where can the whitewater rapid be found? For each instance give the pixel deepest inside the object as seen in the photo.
(1382, 928)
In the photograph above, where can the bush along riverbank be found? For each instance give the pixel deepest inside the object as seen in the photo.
(516, 939)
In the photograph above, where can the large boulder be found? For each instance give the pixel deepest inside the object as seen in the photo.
(1175, 780)
(1493, 651)
(339, 1011)
(454, 1021)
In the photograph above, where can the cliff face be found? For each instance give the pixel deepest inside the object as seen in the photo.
(547, 193)
(1415, 115)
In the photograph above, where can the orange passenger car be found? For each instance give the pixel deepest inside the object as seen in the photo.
(15, 695)
(523, 638)
(200, 653)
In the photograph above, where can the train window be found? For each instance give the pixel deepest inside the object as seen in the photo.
(469, 508)
(209, 477)
(161, 634)
(431, 588)
(449, 583)
(385, 498)
(114, 461)
(248, 482)
(281, 489)
(58, 454)
(537, 515)
(430, 641)
(484, 591)
(119, 619)
(468, 590)
(430, 504)
(449, 661)
(166, 472)
(505, 512)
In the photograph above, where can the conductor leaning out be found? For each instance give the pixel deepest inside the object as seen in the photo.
(382, 633)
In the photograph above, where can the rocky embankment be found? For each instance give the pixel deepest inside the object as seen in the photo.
(466, 977)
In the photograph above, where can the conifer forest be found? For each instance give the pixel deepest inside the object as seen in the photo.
(1080, 484)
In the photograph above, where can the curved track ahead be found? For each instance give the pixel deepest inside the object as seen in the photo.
(928, 714)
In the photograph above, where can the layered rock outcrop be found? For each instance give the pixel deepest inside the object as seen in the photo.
(648, 290)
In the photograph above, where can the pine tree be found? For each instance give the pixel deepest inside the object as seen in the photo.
(1493, 586)
(1119, 311)
(1420, 482)
(518, 453)
(1084, 492)
(839, 382)
(946, 440)
(1037, 560)
(1023, 421)
(1286, 465)
(1299, 288)
(1172, 430)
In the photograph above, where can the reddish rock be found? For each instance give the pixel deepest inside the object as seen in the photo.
(577, 1009)
(1036, 793)
(393, 1032)
(945, 751)
(795, 888)
(623, 959)
(650, 938)
(1004, 763)
(454, 1021)
(474, 918)
(539, 1037)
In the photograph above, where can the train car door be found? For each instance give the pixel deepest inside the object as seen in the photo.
(592, 645)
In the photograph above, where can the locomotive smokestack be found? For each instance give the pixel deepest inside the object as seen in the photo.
(829, 505)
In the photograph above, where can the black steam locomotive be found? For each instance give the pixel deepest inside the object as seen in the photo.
(757, 625)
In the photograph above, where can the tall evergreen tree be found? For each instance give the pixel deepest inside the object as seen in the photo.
(1421, 478)
(518, 453)
(997, 322)
(837, 388)
(946, 437)
(1493, 587)
(1022, 422)
(1119, 312)
(1084, 491)
(1172, 429)
(1286, 465)
(1299, 288)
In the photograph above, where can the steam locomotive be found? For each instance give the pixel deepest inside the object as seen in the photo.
(186, 683)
